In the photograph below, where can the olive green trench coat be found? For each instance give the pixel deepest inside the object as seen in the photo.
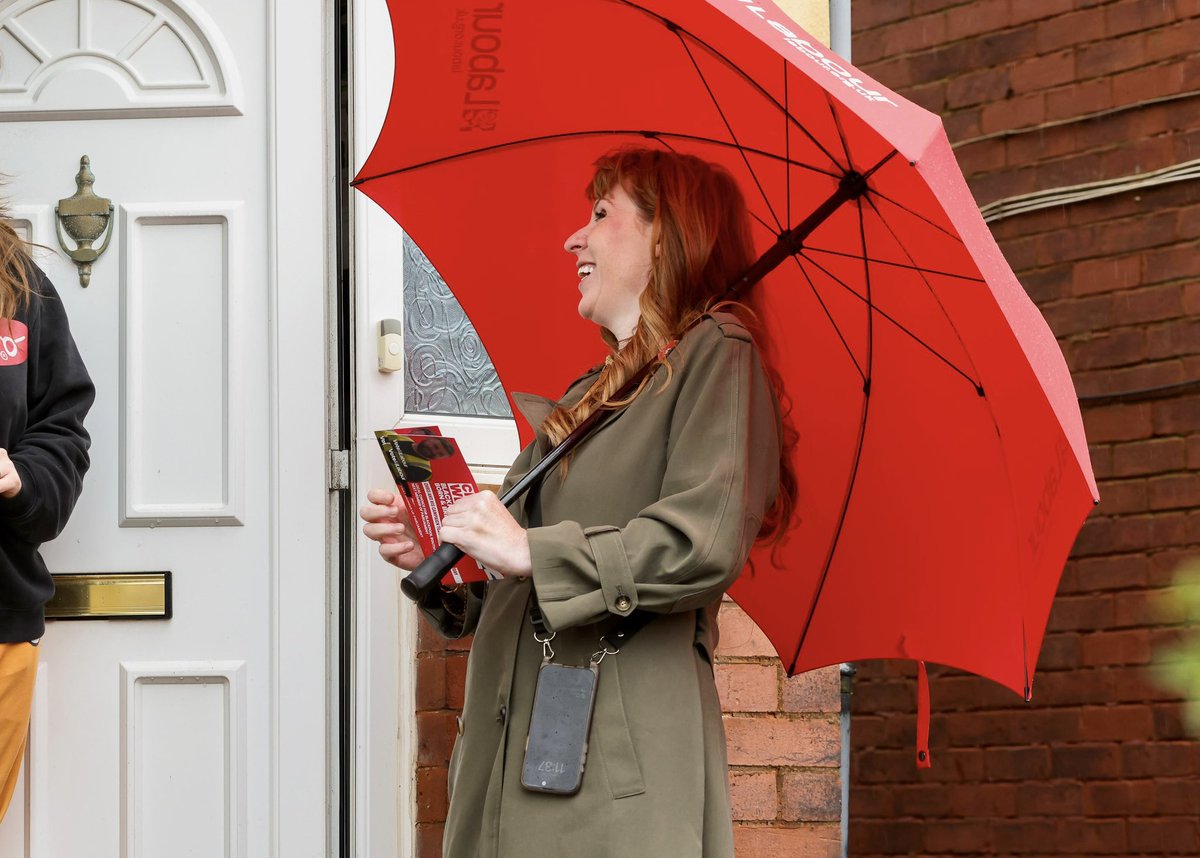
(659, 511)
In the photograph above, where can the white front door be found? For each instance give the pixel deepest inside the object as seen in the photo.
(206, 733)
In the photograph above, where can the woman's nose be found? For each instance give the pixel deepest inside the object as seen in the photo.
(576, 241)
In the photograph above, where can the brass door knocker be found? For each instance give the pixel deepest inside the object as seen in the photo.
(85, 217)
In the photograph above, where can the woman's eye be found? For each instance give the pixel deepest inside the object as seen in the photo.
(598, 214)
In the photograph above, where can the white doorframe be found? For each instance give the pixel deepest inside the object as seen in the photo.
(385, 794)
(303, 724)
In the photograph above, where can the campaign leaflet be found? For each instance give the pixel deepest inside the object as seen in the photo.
(431, 473)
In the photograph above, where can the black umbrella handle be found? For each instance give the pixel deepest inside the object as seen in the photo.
(421, 580)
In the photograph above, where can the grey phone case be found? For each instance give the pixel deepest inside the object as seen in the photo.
(556, 748)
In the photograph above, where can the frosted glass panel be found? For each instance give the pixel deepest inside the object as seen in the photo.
(446, 370)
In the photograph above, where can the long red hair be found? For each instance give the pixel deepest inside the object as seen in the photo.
(701, 227)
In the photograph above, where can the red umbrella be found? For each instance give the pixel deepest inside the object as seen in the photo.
(943, 467)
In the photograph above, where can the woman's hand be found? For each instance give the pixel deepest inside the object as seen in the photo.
(483, 527)
(10, 480)
(388, 524)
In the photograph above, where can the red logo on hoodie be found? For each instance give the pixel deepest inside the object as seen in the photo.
(14, 342)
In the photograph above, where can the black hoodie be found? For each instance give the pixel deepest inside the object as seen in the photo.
(45, 392)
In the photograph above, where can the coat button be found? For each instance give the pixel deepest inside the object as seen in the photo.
(503, 716)
(623, 603)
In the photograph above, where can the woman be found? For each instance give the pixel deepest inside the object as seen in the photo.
(45, 392)
(655, 512)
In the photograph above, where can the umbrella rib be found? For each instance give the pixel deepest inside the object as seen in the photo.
(928, 286)
(837, 123)
(828, 315)
(880, 164)
(917, 214)
(837, 534)
(871, 307)
(562, 135)
(913, 267)
(762, 221)
(787, 142)
(672, 26)
(728, 127)
(862, 436)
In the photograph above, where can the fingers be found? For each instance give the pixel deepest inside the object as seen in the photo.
(387, 531)
(373, 513)
(384, 506)
(393, 547)
(405, 555)
(10, 479)
(397, 545)
(479, 506)
(386, 521)
(482, 513)
(384, 497)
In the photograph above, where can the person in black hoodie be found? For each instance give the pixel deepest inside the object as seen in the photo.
(45, 392)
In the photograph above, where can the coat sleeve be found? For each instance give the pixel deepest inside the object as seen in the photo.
(685, 549)
(52, 453)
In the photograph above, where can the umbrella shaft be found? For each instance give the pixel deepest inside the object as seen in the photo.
(851, 187)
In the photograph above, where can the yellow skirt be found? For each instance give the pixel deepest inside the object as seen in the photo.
(18, 669)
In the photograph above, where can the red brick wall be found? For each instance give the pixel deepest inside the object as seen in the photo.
(441, 669)
(784, 743)
(1099, 762)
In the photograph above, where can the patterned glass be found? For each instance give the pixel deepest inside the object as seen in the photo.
(447, 370)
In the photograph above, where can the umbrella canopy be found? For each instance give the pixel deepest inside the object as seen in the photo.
(942, 463)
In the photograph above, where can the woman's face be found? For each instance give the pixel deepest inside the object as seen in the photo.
(614, 255)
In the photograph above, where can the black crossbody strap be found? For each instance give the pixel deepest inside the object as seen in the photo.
(612, 640)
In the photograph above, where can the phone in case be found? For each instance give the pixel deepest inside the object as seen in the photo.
(557, 745)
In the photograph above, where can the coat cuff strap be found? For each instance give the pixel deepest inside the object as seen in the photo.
(613, 570)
